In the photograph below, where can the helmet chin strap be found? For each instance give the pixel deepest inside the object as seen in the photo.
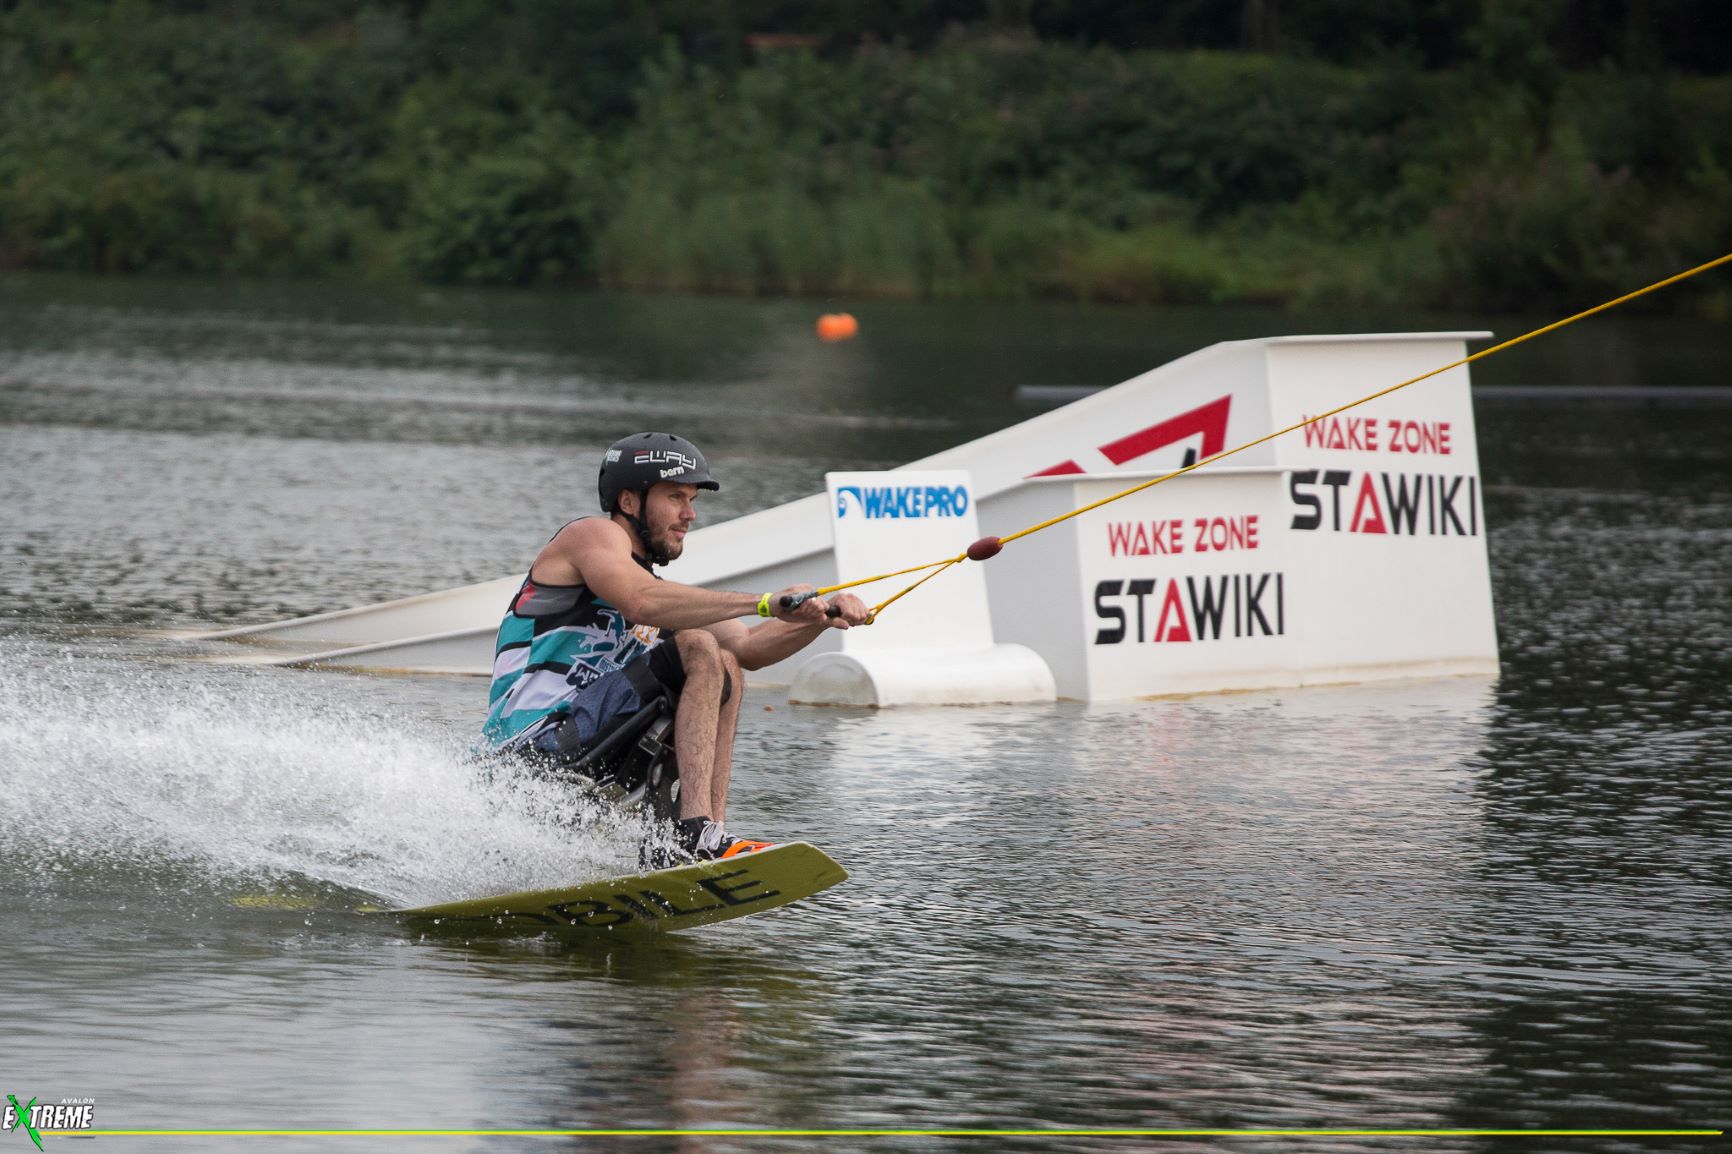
(656, 556)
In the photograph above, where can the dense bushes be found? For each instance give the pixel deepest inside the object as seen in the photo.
(480, 142)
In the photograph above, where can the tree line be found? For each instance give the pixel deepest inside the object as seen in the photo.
(1486, 153)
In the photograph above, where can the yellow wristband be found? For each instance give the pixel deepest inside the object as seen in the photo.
(764, 606)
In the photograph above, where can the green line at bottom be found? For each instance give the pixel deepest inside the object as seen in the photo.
(950, 1133)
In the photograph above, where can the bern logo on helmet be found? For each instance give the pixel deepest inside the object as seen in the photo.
(665, 457)
(676, 471)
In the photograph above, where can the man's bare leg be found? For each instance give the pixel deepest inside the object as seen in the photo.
(695, 722)
(727, 722)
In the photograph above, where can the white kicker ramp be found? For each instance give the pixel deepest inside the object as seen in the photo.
(1351, 550)
(1216, 398)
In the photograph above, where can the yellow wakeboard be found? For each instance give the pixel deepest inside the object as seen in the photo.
(669, 899)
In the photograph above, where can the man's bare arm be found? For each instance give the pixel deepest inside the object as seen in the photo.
(756, 646)
(597, 553)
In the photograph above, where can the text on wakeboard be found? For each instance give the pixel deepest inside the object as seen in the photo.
(625, 905)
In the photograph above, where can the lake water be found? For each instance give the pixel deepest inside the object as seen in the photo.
(1446, 904)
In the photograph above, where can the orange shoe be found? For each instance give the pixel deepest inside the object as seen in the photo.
(706, 840)
(739, 845)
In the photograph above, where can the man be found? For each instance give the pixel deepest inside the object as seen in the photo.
(593, 634)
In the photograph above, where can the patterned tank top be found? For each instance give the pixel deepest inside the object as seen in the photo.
(553, 642)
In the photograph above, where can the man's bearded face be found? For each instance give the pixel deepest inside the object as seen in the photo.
(669, 516)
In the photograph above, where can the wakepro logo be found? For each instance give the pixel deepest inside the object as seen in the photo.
(874, 501)
(33, 1119)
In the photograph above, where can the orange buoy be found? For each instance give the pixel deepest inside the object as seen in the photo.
(837, 327)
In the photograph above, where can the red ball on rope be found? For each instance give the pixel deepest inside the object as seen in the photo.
(984, 548)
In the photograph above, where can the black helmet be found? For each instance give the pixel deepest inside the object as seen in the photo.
(642, 459)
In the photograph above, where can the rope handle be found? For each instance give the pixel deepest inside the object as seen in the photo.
(795, 600)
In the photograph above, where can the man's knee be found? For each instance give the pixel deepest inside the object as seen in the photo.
(703, 657)
(699, 650)
(701, 653)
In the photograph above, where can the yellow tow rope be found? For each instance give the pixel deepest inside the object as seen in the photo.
(989, 546)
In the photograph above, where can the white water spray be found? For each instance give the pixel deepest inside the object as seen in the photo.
(265, 778)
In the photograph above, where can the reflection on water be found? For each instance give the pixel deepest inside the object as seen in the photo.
(1448, 903)
(677, 1032)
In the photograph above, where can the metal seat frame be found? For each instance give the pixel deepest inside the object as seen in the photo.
(633, 765)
